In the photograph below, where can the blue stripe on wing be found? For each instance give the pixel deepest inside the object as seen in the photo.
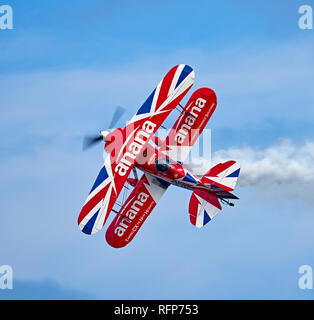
(145, 108)
(90, 224)
(185, 72)
(102, 176)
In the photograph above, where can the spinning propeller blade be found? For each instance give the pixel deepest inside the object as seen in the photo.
(116, 116)
(90, 141)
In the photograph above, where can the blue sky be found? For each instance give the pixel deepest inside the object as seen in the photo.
(65, 67)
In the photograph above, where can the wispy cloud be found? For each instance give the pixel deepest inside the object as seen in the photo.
(281, 163)
(45, 111)
(285, 165)
(41, 290)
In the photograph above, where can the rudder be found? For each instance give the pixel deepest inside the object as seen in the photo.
(223, 175)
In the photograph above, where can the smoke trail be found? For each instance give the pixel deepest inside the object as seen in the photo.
(281, 163)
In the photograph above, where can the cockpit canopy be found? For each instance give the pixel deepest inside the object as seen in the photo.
(170, 168)
(162, 164)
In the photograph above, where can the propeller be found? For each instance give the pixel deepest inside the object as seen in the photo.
(119, 111)
(91, 140)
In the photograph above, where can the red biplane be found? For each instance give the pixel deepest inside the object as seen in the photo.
(136, 146)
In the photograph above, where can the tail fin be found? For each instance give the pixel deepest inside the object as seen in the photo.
(223, 175)
(203, 207)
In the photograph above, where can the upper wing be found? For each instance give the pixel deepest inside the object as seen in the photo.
(134, 212)
(190, 124)
(128, 145)
(93, 214)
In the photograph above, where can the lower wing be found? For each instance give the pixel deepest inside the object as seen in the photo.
(135, 210)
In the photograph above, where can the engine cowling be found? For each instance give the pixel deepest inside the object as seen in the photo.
(112, 138)
(176, 171)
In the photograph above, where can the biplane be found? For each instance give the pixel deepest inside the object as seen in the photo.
(162, 162)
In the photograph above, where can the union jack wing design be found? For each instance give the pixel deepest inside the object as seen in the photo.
(203, 207)
(223, 175)
(161, 161)
(134, 138)
(92, 216)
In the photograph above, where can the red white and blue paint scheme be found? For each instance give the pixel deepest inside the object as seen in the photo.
(161, 161)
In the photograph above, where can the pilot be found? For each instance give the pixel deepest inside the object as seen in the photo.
(162, 165)
(169, 168)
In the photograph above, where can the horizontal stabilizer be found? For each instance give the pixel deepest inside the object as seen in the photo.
(203, 207)
(226, 195)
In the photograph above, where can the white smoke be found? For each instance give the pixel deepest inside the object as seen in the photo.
(281, 163)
